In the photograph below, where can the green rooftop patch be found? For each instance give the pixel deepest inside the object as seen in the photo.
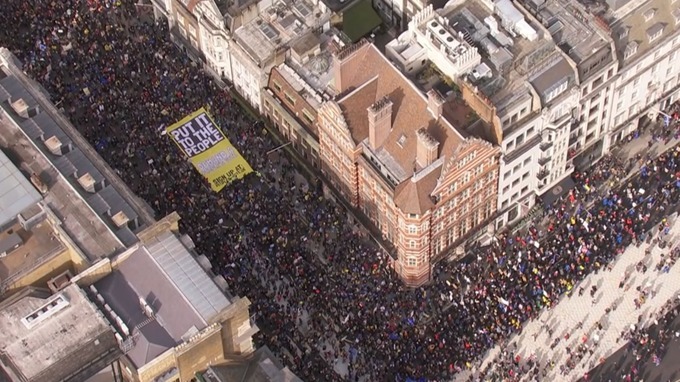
(360, 20)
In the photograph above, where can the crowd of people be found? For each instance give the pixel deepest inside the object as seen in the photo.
(344, 315)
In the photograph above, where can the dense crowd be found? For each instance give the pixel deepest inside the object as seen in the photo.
(121, 81)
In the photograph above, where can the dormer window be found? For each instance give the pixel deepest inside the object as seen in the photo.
(676, 16)
(623, 33)
(631, 49)
(401, 140)
(654, 32)
(649, 14)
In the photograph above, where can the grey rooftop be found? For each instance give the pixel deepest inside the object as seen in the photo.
(16, 192)
(179, 292)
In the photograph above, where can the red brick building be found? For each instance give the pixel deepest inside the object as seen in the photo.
(396, 154)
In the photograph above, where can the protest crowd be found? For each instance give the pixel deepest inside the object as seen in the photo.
(121, 82)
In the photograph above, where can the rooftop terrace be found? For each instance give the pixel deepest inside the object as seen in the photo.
(316, 71)
(507, 61)
(277, 26)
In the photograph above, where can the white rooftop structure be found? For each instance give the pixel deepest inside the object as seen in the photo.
(16, 192)
(277, 26)
(51, 338)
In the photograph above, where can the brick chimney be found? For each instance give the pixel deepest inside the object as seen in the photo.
(379, 122)
(435, 103)
(426, 149)
(345, 62)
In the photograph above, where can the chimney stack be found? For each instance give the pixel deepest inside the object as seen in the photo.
(426, 149)
(379, 122)
(435, 103)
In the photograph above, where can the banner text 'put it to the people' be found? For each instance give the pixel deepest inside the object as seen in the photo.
(208, 149)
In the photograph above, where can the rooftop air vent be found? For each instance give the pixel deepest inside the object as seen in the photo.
(20, 107)
(434, 24)
(87, 182)
(120, 219)
(54, 145)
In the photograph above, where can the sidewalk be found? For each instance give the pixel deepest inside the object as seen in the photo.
(578, 316)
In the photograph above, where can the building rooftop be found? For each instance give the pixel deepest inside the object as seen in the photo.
(578, 33)
(368, 77)
(644, 27)
(16, 192)
(50, 147)
(50, 337)
(278, 26)
(512, 60)
(263, 366)
(316, 69)
(84, 227)
(512, 51)
(181, 296)
(34, 248)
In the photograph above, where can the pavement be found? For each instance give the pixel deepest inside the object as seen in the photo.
(621, 362)
(578, 315)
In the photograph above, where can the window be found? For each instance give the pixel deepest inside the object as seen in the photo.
(530, 130)
(552, 94)
(412, 229)
(631, 49)
(655, 32)
(308, 116)
(411, 261)
(289, 99)
(649, 14)
(277, 86)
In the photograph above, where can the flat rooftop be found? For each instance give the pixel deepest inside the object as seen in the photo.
(571, 26)
(511, 59)
(279, 24)
(38, 331)
(317, 70)
(180, 293)
(16, 192)
(38, 246)
(84, 227)
(508, 63)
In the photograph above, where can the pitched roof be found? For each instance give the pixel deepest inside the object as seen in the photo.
(373, 77)
(413, 196)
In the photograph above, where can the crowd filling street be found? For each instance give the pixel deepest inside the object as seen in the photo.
(325, 299)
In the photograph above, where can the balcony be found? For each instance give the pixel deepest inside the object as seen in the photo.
(574, 139)
(543, 174)
(545, 146)
(519, 151)
(543, 160)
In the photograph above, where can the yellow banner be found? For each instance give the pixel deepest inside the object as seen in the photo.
(208, 149)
